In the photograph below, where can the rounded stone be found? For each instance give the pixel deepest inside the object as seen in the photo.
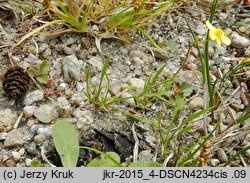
(16, 155)
(136, 85)
(71, 68)
(33, 97)
(239, 41)
(28, 111)
(45, 113)
(196, 102)
(222, 156)
(39, 139)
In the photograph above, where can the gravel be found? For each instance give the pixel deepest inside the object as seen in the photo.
(130, 66)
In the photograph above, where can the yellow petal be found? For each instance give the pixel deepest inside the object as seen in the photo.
(210, 26)
(218, 41)
(212, 35)
(225, 40)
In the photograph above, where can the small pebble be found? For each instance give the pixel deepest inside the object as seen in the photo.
(222, 156)
(45, 113)
(16, 156)
(239, 41)
(196, 103)
(215, 162)
(62, 87)
(28, 111)
(28, 161)
(248, 153)
(10, 163)
(39, 139)
(71, 68)
(128, 98)
(33, 97)
(46, 131)
(145, 156)
(136, 85)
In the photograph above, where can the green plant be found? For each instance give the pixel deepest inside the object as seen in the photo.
(66, 141)
(40, 73)
(99, 95)
(112, 159)
(156, 88)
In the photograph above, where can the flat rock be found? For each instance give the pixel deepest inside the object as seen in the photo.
(7, 119)
(17, 137)
(33, 97)
(45, 113)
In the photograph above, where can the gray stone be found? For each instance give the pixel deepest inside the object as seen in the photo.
(63, 86)
(46, 113)
(28, 111)
(96, 62)
(145, 156)
(7, 119)
(45, 131)
(62, 101)
(39, 139)
(16, 155)
(77, 99)
(239, 41)
(63, 107)
(222, 156)
(80, 86)
(28, 161)
(196, 103)
(83, 118)
(137, 85)
(71, 68)
(128, 98)
(247, 153)
(33, 97)
(17, 137)
(215, 162)
(67, 50)
(65, 111)
(3, 135)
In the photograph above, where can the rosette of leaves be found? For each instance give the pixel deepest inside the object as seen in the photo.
(39, 72)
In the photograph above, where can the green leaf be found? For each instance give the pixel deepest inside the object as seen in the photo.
(42, 79)
(106, 155)
(31, 72)
(145, 164)
(172, 45)
(66, 142)
(44, 67)
(105, 161)
(35, 163)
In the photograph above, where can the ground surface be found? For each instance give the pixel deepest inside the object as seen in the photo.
(130, 65)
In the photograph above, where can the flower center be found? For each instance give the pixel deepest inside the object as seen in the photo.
(219, 32)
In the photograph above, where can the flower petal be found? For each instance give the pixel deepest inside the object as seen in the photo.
(212, 35)
(218, 41)
(210, 26)
(225, 40)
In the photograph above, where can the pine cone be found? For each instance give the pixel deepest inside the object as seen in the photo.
(16, 83)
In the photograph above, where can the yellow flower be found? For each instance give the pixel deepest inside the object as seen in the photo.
(217, 34)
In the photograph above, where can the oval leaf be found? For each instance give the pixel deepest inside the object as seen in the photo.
(66, 142)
